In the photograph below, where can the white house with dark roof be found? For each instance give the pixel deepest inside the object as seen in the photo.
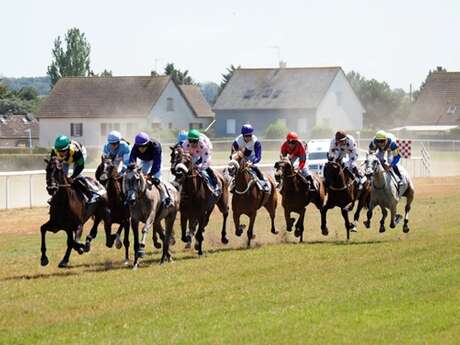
(87, 108)
(300, 97)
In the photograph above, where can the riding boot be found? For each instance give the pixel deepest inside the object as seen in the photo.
(213, 179)
(164, 194)
(263, 183)
(311, 184)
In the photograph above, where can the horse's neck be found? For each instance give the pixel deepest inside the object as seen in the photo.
(241, 179)
(380, 178)
(114, 188)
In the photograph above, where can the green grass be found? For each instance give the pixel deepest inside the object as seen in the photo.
(378, 289)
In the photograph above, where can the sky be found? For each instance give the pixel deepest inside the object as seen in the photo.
(389, 40)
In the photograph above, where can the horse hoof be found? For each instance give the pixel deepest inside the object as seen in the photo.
(188, 245)
(141, 251)
(367, 224)
(275, 232)
(405, 229)
(87, 247)
(353, 228)
(118, 243)
(224, 240)
(392, 225)
(172, 241)
(157, 245)
(382, 229)
(126, 263)
(197, 248)
(63, 264)
(44, 261)
(186, 239)
(81, 250)
(135, 267)
(325, 232)
(239, 232)
(297, 232)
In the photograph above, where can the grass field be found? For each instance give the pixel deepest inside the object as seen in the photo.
(377, 289)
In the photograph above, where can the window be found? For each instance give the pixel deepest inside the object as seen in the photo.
(249, 93)
(267, 93)
(170, 125)
(231, 126)
(452, 109)
(106, 128)
(169, 104)
(76, 129)
(276, 93)
(195, 125)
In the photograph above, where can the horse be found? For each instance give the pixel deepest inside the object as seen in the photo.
(296, 195)
(342, 191)
(68, 212)
(385, 194)
(197, 201)
(248, 198)
(144, 202)
(108, 175)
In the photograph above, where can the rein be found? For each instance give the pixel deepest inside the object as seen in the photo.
(250, 184)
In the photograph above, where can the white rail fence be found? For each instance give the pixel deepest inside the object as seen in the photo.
(19, 189)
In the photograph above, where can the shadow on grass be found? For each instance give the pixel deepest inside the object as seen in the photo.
(40, 276)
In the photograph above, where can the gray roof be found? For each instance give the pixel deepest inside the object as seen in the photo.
(196, 101)
(103, 96)
(15, 126)
(276, 88)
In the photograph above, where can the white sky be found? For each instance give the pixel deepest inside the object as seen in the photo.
(393, 40)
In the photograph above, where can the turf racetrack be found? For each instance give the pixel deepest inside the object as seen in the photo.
(378, 289)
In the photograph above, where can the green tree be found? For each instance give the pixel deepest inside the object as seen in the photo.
(226, 76)
(276, 130)
(180, 77)
(71, 60)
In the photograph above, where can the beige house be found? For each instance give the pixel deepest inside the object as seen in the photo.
(87, 108)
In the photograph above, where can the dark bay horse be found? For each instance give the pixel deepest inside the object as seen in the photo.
(342, 191)
(68, 212)
(107, 174)
(248, 198)
(198, 201)
(145, 206)
(296, 195)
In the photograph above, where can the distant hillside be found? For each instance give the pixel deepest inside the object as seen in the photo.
(41, 84)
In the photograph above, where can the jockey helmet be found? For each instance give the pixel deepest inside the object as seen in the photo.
(182, 136)
(381, 135)
(193, 134)
(114, 137)
(292, 136)
(340, 135)
(142, 139)
(247, 129)
(62, 143)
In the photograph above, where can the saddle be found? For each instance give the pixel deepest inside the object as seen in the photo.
(90, 189)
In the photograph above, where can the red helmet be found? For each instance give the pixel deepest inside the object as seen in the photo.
(292, 136)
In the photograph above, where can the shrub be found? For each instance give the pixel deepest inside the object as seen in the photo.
(277, 130)
(319, 132)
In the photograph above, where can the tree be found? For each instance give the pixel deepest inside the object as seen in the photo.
(226, 76)
(210, 91)
(276, 130)
(180, 77)
(71, 61)
(430, 72)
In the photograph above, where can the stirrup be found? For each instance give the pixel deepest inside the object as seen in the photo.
(167, 202)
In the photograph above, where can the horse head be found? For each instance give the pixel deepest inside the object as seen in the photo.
(177, 153)
(283, 168)
(182, 165)
(107, 169)
(55, 175)
(237, 161)
(333, 174)
(133, 183)
(372, 165)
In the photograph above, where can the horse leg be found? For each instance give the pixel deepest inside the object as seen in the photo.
(43, 229)
(93, 232)
(347, 222)
(289, 220)
(183, 227)
(118, 243)
(65, 260)
(409, 199)
(145, 229)
(155, 233)
(199, 237)
(367, 222)
(169, 223)
(251, 235)
(382, 220)
(394, 217)
(270, 206)
(356, 216)
(238, 227)
(126, 240)
(324, 229)
(223, 207)
(299, 228)
(109, 238)
(135, 227)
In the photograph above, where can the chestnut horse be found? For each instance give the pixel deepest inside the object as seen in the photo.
(107, 174)
(342, 192)
(197, 200)
(248, 198)
(296, 195)
(68, 212)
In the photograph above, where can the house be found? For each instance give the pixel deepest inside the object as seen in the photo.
(18, 130)
(88, 108)
(300, 97)
(438, 102)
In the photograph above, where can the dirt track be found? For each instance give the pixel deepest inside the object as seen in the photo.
(28, 221)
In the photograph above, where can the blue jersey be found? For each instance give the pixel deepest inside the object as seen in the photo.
(121, 153)
(391, 149)
(151, 154)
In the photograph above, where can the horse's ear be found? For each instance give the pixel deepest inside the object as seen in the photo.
(172, 148)
(102, 158)
(46, 161)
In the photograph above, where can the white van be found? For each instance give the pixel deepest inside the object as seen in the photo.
(317, 155)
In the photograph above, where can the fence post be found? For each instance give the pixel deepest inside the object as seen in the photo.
(30, 190)
(6, 192)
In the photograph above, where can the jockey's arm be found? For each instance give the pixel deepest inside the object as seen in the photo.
(396, 156)
(235, 148)
(257, 152)
(156, 165)
(79, 164)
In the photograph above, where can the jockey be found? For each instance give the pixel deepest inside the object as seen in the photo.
(71, 152)
(382, 143)
(296, 150)
(181, 137)
(148, 151)
(198, 147)
(252, 149)
(117, 148)
(343, 145)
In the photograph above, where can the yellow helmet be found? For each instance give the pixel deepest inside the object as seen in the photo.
(381, 135)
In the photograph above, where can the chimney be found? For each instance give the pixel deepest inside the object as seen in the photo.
(439, 69)
(283, 64)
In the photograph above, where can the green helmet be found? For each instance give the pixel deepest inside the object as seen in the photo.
(381, 135)
(193, 134)
(62, 143)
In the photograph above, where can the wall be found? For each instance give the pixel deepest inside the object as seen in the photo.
(345, 112)
(181, 116)
(261, 119)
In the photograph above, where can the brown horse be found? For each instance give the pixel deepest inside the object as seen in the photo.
(197, 200)
(68, 212)
(248, 198)
(107, 174)
(342, 191)
(296, 195)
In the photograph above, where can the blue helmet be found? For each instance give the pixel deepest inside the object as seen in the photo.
(247, 129)
(182, 136)
(142, 138)
(114, 137)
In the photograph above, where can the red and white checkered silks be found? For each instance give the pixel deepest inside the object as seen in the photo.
(405, 147)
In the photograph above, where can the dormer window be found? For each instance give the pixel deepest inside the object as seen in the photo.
(249, 93)
(452, 109)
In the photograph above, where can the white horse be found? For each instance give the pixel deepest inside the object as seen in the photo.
(384, 193)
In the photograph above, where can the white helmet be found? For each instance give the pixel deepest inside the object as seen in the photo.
(114, 137)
